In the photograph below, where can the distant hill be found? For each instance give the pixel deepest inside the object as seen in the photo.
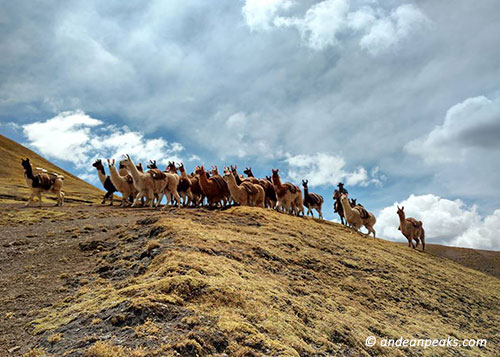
(13, 185)
(486, 261)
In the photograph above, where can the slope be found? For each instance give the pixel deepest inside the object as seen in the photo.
(247, 282)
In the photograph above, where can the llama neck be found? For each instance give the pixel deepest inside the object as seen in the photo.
(203, 180)
(346, 205)
(183, 174)
(402, 218)
(277, 181)
(136, 175)
(29, 172)
(102, 174)
(115, 176)
(231, 184)
(306, 191)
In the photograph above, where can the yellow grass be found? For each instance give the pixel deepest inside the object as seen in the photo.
(275, 284)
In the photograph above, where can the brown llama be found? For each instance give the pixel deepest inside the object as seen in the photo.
(246, 193)
(312, 200)
(214, 188)
(412, 229)
(266, 185)
(289, 196)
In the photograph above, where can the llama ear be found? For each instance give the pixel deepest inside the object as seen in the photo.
(403, 208)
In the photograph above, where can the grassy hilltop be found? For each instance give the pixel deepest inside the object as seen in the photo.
(249, 282)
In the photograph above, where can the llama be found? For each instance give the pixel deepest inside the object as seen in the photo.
(146, 184)
(412, 229)
(215, 173)
(289, 196)
(196, 190)
(123, 183)
(214, 188)
(42, 182)
(172, 178)
(184, 188)
(247, 193)
(266, 184)
(106, 182)
(312, 200)
(353, 216)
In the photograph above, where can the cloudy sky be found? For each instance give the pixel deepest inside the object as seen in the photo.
(400, 100)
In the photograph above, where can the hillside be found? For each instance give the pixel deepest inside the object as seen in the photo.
(486, 261)
(13, 186)
(240, 282)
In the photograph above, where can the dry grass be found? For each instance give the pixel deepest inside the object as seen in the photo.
(12, 184)
(266, 283)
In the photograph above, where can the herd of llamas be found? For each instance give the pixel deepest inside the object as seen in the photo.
(202, 187)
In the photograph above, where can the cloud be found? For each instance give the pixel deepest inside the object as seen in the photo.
(327, 21)
(77, 138)
(469, 127)
(387, 31)
(260, 13)
(321, 23)
(445, 222)
(326, 169)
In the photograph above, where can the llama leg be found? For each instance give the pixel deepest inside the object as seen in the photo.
(30, 199)
(139, 196)
(112, 198)
(40, 199)
(320, 213)
(176, 196)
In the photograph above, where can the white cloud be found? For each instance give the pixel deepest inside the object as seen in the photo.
(64, 137)
(469, 127)
(386, 31)
(325, 169)
(324, 22)
(321, 23)
(77, 138)
(260, 13)
(445, 222)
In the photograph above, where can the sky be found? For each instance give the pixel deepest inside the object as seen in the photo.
(399, 100)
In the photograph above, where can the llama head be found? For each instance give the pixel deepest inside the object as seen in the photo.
(126, 160)
(152, 165)
(26, 163)
(248, 171)
(214, 170)
(353, 202)
(268, 178)
(200, 170)
(276, 172)
(171, 166)
(304, 183)
(139, 167)
(401, 211)
(98, 164)
(181, 167)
